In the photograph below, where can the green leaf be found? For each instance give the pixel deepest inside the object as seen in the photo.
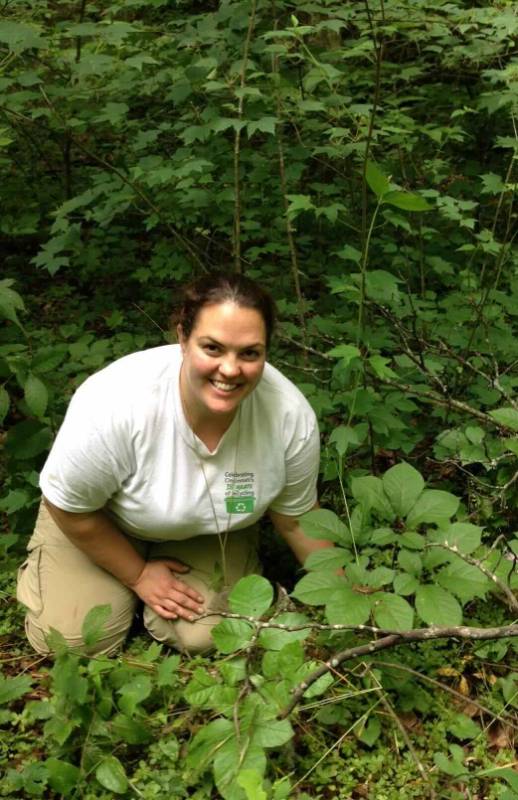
(252, 782)
(19, 37)
(507, 417)
(167, 673)
(299, 203)
(405, 584)
(347, 607)
(252, 596)
(231, 759)
(232, 634)
(376, 180)
(368, 491)
(392, 612)
(462, 727)
(330, 558)
(276, 639)
(93, 624)
(265, 125)
(345, 437)
(4, 404)
(13, 688)
(345, 352)
(134, 692)
(111, 775)
(36, 395)
(433, 506)
(380, 367)
(371, 732)
(200, 688)
(403, 485)
(410, 562)
(10, 302)
(316, 588)
(406, 201)
(463, 580)
(412, 540)
(324, 524)
(28, 439)
(436, 606)
(463, 535)
(63, 777)
(130, 730)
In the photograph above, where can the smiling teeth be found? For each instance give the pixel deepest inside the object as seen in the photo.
(225, 387)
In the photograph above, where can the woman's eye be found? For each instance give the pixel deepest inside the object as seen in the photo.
(250, 354)
(211, 348)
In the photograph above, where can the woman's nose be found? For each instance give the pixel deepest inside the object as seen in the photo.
(229, 366)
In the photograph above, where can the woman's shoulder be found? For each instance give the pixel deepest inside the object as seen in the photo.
(142, 369)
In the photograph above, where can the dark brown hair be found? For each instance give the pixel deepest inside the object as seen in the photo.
(219, 287)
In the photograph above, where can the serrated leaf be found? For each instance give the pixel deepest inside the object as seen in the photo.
(36, 395)
(463, 535)
(433, 506)
(406, 201)
(347, 607)
(167, 673)
(411, 562)
(405, 584)
(344, 437)
(463, 580)
(252, 783)
(264, 125)
(316, 588)
(111, 775)
(463, 727)
(412, 540)
(345, 352)
(200, 688)
(276, 639)
(230, 635)
(436, 606)
(231, 759)
(130, 730)
(403, 485)
(392, 612)
(252, 596)
(93, 624)
(134, 692)
(376, 180)
(380, 367)
(13, 688)
(508, 417)
(324, 524)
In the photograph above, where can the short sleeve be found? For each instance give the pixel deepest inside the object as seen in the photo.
(89, 460)
(299, 494)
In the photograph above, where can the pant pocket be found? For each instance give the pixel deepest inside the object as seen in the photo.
(28, 590)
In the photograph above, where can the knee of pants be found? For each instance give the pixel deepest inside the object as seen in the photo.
(106, 645)
(187, 637)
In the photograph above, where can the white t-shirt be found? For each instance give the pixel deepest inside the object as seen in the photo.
(125, 446)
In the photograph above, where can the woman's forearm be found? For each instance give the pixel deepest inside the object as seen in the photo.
(101, 540)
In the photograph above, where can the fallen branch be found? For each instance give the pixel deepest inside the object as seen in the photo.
(403, 637)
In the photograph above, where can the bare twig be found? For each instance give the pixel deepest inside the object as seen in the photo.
(237, 144)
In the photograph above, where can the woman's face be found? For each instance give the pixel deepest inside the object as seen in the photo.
(223, 359)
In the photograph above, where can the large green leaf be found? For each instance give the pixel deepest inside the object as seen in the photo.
(111, 775)
(130, 730)
(402, 484)
(345, 352)
(348, 607)
(329, 558)
(232, 634)
(134, 692)
(252, 596)
(324, 524)
(392, 612)
(434, 505)
(63, 777)
(368, 491)
(376, 180)
(13, 688)
(406, 201)
(316, 588)
(233, 757)
(436, 606)
(507, 416)
(463, 535)
(276, 639)
(94, 622)
(463, 580)
(207, 742)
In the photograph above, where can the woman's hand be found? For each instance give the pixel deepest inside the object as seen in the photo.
(160, 589)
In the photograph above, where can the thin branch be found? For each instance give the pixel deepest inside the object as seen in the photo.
(392, 640)
(237, 144)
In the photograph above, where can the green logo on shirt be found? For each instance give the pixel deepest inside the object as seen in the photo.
(240, 505)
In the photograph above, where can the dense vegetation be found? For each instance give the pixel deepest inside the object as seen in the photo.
(360, 160)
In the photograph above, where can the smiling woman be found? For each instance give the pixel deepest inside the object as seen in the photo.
(164, 464)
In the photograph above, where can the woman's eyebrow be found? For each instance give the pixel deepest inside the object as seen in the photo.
(245, 347)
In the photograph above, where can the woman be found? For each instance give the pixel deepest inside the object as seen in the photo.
(165, 462)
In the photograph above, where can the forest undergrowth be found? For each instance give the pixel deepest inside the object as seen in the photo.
(358, 159)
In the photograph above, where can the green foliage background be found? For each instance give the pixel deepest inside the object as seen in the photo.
(357, 158)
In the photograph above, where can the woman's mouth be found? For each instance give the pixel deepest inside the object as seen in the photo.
(223, 386)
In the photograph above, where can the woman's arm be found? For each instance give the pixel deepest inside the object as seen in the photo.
(294, 536)
(153, 581)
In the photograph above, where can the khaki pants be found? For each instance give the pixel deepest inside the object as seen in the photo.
(59, 584)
